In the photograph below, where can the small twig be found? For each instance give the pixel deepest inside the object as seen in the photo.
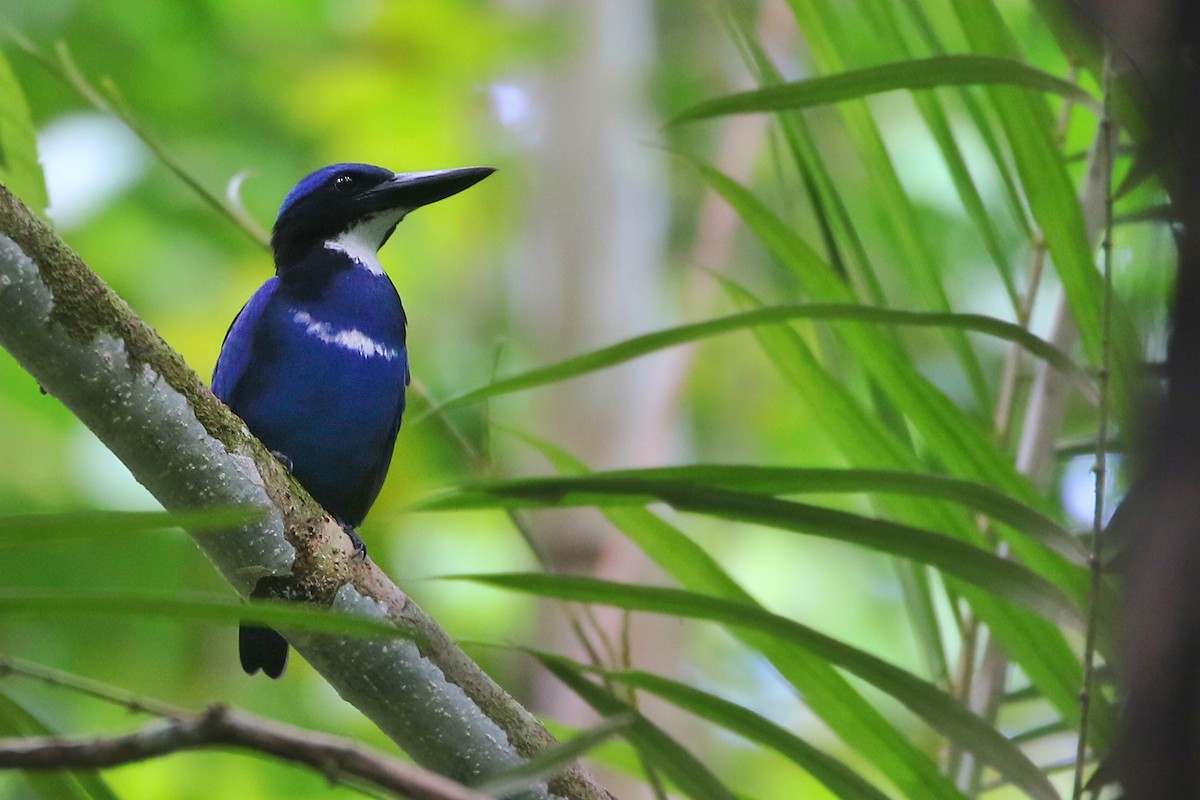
(1062, 765)
(137, 704)
(474, 458)
(953, 752)
(110, 101)
(1101, 468)
(480, 463)
(222, 727)
(1024, 309)
(987, 702)
(577, 614)
(1002, 420)
(652, 778)
(111, 694)
(626, 642)
(236, 207)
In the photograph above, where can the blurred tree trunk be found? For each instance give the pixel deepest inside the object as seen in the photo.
(592, 274)
(1156, 46)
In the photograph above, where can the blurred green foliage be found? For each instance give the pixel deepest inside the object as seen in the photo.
(276, 89)
(280, 88)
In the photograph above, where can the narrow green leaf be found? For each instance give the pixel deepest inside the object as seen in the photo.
(1001, 577)
(961, 444)
(39, 529)
(639, 486)
(772, 315)
(919, 604)
(664, 753)
(829, 695)
(839, 778)
(19, 167)
(1055, 728)
(1029, 127)
(17, 721)
(883, 16)
(843, 244)
(983, 125)
(553, 760)
(922, 73)
(962, 447)
(614, 756)
(952, 435)
(897, 215)
(33, 603)
(898, 218)
(1036, 644)
(941, 711)
(960, 175)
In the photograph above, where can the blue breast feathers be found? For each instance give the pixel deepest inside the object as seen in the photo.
(318, 372)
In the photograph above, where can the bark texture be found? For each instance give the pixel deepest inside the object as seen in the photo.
(86, 347)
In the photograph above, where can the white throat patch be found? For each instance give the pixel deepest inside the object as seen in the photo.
(351, 339)
(362, 242)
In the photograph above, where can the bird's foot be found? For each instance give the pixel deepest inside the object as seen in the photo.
(282, 458)
(360, 547)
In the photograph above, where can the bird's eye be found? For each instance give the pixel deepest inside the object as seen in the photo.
(345, 182)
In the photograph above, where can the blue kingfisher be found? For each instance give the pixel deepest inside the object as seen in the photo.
(315, 362)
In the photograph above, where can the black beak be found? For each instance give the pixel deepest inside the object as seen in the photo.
(409, 190)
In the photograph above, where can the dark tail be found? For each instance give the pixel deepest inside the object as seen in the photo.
(262, 648)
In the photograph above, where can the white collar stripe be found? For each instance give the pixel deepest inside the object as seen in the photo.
(362, 242)
(359, 251)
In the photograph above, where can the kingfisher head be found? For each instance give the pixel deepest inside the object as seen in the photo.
(355, 207)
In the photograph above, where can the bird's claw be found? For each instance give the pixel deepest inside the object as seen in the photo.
(282, 458)
(360, 547)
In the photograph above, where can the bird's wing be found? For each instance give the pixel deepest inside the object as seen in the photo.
(380, 470)
(238, 346)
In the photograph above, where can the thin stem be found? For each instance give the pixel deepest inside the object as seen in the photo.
(577, 614)
(987, 702)
(479, 462)
(1002, 420)
(1037, 262)
(95, 689)
(110, 101)
(1101, 468)
(964, 672)
(626, 641)
(656, 784)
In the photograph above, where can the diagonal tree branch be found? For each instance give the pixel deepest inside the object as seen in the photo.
(223, 727)
(84, 345)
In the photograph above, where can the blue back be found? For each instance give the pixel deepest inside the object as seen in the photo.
(316, 365)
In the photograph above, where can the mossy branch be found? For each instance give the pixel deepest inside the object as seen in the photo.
(85, 346)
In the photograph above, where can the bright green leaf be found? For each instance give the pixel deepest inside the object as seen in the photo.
(827, 693)
(639, 486)
(940, 710)
(34, 603)
(664, 753)
(1001, 577)
(922, 73)
(846, 312)
(553, 760)
(839, 778)
(19, 167)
